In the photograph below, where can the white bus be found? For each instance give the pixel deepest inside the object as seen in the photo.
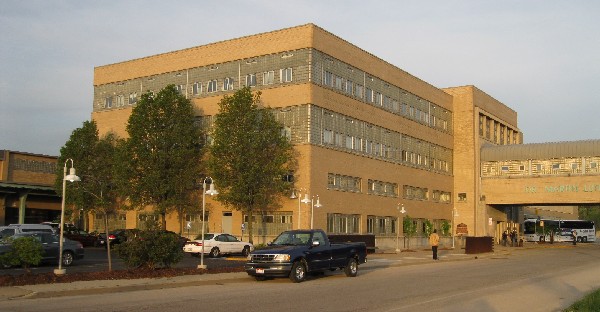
(539, 230)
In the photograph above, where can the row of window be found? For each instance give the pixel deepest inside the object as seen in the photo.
(496, 131)
(376, 149)
(583, 165)
(211, 86)
(33, 166)
(353, 184)
(376, 98)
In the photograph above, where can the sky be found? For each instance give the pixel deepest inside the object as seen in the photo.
(540, 58)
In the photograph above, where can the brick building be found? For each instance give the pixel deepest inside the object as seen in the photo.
(27, 192)
(371, 137)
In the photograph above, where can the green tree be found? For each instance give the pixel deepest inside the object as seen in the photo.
(160, 161)
(446, 228)
(428, 227)
(81, 149)
(409, 227)
(94, 159)
(249, 155)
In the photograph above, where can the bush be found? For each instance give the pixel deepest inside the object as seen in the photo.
(151, 249)
(24, 252)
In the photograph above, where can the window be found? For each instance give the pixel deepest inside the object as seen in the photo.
(338, 82)
(251, 80)
(227, 84)
(348, 88)
(197, 88)
(286, 75)
(327, 136)
(132, 98)
(462, 197)
(369, 95)
(212, 86)
(328, 79)
(120, 100)
(108, 102)
(504, 168)
(180, 89)
(358, 91)
(268, 77)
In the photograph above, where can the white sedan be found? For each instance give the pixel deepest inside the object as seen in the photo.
(216, 244)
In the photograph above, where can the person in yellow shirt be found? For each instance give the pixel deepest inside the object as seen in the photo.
(434, 241)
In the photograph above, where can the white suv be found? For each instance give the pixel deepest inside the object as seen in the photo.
(10, 230)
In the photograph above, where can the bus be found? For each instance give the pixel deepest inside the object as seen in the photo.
(539, 230)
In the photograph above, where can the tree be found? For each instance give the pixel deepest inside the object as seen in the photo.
(249, 156)
(409, 227)
(160, 161)
(94, 159)
(81, 149)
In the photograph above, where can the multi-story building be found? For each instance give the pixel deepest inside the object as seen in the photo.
(371, 137)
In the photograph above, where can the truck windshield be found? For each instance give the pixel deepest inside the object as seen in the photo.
(292, 238)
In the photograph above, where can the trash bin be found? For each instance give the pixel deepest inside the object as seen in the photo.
(481, 244)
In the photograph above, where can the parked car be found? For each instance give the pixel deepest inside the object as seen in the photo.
(295, 253)
(71, 251)
(12, 229)
(83, 237)
(217, 244)
(117, 236)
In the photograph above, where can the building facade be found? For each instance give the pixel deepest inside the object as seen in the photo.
(27, 192)
(371, 137)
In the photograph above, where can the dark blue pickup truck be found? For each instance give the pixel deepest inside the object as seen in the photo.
(295, 253)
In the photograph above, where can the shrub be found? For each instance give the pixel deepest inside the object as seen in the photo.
(151, 249)
(24, 252)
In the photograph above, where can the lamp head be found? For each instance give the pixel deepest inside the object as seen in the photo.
(293, 196)
(72, 176)
(306, 200)
(212, 191)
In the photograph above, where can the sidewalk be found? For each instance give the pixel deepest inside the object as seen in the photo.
(384, 258)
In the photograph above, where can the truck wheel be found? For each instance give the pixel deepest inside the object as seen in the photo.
(351, 268)
(298, 273)
(214, 252)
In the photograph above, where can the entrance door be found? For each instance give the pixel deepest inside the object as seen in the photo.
(226, 223)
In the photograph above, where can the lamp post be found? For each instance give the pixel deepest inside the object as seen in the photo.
(212, 191)
(73, 178)
(311, 200)
(454, 214)
(294, 196)
(400, 211)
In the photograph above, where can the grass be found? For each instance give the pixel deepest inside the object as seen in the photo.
(590, 302)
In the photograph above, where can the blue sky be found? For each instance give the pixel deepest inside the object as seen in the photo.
(541, 58)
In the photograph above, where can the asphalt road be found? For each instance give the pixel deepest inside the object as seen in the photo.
(96, 259)
(548, 279)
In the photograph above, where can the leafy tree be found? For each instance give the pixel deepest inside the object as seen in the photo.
(428, 227)
(81, 149)
(409, 227)
(446, 228)
(249, 156)
(94, 159)
(160, 161)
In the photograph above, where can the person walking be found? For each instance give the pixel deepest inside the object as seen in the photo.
(434, 241)
(504, 237)
(574, 234)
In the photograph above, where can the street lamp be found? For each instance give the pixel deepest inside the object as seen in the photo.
(400, 211)
(212, 191)
(454, 214)
(311, 200)
(73, 178)
(294, 196)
